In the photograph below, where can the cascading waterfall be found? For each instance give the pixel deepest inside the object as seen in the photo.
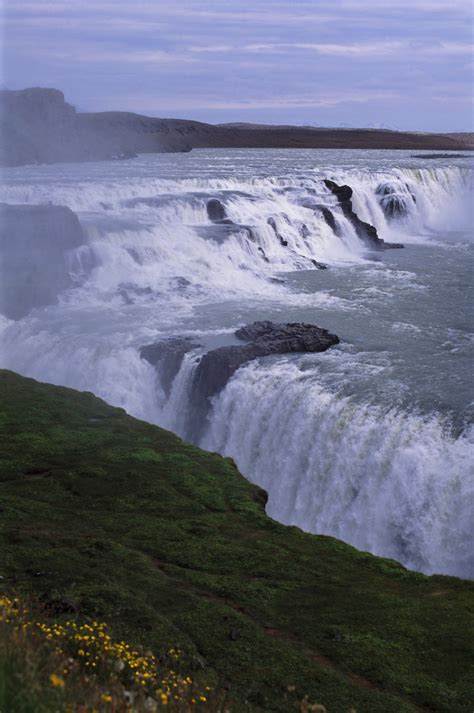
(159, 226)
(376, 473)
(389, 482)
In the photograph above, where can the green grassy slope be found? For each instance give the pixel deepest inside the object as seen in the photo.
(170, 545)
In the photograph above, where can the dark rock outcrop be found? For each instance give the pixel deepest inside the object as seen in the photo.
(35, 242)
(272, 223)
(38, 126)
(343, 193)
(441, 155)
(304, 231)
(167, 357)
(328, 216)
(216, 211)
(319, 265)
(263, 339)
(365, 231)
(393, 203)
(304, 234)
(215, 368)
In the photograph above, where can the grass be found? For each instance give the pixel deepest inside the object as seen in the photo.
(48, 666)
(119, 521)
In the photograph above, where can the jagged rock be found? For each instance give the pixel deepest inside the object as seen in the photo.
(365, 232)
(319, 265)
(38, 126)
(216, 211)
(304, 231)
(263, 339)
(328, 216)
(181, 283)
(35, 242)
(272, 223)
(394, 206)
(392, 201)
(343, 193)
(167, 356)
(392, 246)
(304, 234)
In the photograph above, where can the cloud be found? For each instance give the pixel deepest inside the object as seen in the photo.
(270, 57)
(99, 54)
(452, 48)
(277, 102)
(353, 50)
(338, 50)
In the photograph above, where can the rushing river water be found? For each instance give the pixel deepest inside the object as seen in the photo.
(370, 441)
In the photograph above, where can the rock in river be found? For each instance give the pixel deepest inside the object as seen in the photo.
(365, 232)
(262, 339)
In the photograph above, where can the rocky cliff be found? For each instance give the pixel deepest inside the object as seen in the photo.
(38, 126)
(35, 248)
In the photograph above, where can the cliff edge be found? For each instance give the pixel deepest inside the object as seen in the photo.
(123, 521)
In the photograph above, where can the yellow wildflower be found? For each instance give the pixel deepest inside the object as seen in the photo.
(56, 681)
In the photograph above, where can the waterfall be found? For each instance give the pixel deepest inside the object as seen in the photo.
(154, 262)
(150, 231)
(394, 483)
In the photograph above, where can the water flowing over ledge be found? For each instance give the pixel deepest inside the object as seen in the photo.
(361, 443)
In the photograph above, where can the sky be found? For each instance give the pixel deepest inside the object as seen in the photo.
(404, 64)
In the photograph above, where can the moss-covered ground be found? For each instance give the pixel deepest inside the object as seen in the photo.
(114, 518)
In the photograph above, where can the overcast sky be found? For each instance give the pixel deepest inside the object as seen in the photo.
(402, 63)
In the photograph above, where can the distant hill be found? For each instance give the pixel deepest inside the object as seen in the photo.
(465, 137)
(37, 125)
(271, 127)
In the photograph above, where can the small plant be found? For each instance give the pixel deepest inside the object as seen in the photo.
(78, 667)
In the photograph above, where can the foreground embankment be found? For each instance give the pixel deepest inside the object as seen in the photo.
(117, 520)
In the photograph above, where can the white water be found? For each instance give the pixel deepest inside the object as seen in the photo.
(367, 442)
(384, 480)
